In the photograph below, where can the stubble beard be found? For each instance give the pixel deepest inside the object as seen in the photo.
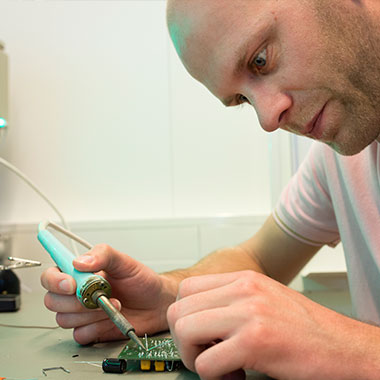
(354, 43)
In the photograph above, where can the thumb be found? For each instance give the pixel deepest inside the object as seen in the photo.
(84, 263)
(104, 257)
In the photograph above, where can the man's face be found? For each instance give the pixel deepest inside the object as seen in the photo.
(307, 66)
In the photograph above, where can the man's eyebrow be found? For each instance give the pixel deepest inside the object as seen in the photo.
(239, 67)
(241, 54)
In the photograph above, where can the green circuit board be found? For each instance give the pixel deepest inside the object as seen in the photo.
(161, 354)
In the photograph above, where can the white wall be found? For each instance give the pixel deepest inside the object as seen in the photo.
(106, 121)
(104, 118)
(162, 244)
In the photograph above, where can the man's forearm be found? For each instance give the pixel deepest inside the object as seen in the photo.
(225, 260)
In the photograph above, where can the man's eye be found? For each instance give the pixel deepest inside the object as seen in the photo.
(260, 60)
(242, 99)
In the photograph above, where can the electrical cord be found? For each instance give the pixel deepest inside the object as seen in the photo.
(44, 225)
(66, 231)
(29, 327)
(21, 175)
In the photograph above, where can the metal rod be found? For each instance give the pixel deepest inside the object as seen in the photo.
(119, 320)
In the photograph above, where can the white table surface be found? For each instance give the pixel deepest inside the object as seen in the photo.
(24, 352)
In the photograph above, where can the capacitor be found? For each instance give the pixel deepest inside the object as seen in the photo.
(112, 365)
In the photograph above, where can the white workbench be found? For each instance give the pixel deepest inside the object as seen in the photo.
(24, 352)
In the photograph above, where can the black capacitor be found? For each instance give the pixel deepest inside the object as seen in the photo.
(114, 365)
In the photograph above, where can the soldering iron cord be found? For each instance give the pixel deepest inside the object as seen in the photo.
(45, 224)
(21, 175)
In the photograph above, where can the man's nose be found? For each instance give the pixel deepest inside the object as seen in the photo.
(271, 106)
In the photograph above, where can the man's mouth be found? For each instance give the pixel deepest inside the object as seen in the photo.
(312, 129)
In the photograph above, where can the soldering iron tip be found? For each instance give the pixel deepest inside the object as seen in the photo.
(136, 339)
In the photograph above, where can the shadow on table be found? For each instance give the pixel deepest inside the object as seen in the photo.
(251, 375)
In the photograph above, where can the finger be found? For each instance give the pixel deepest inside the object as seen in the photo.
(206, 326)
(104, 257)
(71, 320)
(195, 303)
(200, 284)
(102, 331)
(227, 355)
(70, 304)
(63, 303)
(55, 281)
(194, 332)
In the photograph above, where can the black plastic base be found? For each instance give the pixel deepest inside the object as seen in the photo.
(9, 302)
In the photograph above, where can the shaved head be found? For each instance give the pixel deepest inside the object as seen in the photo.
(176, 19)
(194, 25)
(186, 22)
(294, 61)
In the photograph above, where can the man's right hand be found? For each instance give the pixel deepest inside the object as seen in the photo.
(138, 292)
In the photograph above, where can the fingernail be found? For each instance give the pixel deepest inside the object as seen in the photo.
(65, 285)
(86, 259)
(116, 303)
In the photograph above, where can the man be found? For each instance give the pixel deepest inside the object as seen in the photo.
(310, 67)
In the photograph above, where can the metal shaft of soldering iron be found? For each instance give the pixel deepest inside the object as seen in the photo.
(118, 319)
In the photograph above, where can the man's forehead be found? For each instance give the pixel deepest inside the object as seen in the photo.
(196, 23)
(189, 16)
(213, 40)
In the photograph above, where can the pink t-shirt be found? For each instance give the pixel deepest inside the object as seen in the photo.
(336, 198)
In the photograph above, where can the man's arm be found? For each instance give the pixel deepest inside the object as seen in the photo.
(245, 319)
(270, 251)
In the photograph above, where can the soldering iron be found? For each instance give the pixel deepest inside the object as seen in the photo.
(92, 290)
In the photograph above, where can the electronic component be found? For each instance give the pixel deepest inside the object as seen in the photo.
(145, 365)
(159, 366)
(160, 354)
(114, 365)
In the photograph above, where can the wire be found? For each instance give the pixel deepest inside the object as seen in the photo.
(20, 174)
(29, 327)
(44, 225)
(96, 364)
(160, 344)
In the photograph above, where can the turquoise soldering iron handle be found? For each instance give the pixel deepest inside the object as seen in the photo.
(87, 283)
(92, 290)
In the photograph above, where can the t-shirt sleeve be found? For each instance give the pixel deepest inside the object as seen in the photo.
(305, 210)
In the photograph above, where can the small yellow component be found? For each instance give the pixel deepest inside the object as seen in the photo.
(145, 365)
(159, 366)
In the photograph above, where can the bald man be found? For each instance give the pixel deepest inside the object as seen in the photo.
(310, 67)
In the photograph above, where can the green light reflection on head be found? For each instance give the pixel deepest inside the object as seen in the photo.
(179, 30)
